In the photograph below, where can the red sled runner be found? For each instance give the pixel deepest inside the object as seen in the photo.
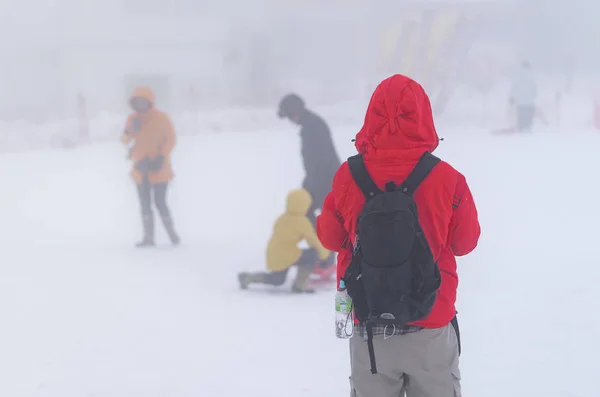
(323, 275)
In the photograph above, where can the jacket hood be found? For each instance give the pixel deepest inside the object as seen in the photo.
(298, 202)
(143, 92)
(399, 121)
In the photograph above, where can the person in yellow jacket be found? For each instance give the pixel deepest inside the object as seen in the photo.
(152, 138)
(282, 250)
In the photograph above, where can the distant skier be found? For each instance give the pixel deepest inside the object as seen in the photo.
(282, 250)
(83, 127)
(153, 138)
(319, 156)
(523, 97)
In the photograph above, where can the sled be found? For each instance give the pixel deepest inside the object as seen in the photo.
(323, 276)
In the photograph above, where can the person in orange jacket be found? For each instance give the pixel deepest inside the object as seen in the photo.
(152, 136)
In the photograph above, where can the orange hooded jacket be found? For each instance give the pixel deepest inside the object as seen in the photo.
(153, 136)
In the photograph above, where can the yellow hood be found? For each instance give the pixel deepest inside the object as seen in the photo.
(298, 202)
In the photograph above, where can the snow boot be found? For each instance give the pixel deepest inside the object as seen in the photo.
(168, 223)
(148, 240)
(301, 280)
(245, 279)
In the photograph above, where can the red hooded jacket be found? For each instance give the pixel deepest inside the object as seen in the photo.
(398, 129)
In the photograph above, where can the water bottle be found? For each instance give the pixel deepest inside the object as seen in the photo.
(344, 321)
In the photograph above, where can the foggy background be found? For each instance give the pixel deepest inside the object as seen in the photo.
(202, 55)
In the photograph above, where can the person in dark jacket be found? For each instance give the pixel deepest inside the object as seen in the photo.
(320, 159)
(319, 156)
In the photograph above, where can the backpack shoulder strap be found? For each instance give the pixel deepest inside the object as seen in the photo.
(361, 176)
(426, 163)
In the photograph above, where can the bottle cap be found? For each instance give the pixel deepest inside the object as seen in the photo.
(342, 284)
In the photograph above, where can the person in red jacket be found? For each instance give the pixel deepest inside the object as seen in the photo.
(422, 358)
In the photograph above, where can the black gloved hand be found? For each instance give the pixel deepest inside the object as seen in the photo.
(143, 165)
(156, 163)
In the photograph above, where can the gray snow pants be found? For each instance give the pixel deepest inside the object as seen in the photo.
(525, 116)
(418, 364)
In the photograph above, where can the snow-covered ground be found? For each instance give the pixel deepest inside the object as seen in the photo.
(84, 314)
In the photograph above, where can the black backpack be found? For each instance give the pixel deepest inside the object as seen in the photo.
(393, 278)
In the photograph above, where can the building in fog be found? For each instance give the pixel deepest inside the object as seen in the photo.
(199, 53)
(55, 50)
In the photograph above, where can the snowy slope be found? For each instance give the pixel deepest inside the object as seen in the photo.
(83, 314)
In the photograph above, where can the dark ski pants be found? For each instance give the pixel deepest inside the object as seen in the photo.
(418, 364)
(317, 194)
(318, 197)
(159, 191)
(307, 261)
(311, 214)
(317, 202)
(147, 192)
(305, 266)
(525, 116)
